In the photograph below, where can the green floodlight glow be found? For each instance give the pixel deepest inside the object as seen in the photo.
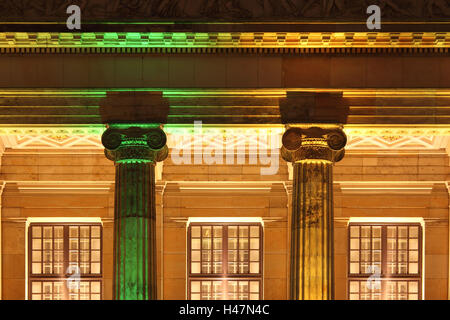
(134, 161)
(142, 125)
(135, 231)
(135, 148)
(134, 142)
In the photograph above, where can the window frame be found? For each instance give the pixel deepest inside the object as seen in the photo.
(225, 276)
(63, 276)
(385, 276)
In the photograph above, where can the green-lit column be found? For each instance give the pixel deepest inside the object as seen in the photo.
(312, 150)
(135, 149)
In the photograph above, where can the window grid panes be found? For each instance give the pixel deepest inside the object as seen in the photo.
(57, 290)
(384, 261)
(230, 289)
(47, 246)
(386, 290)
(225, 261)
(65, 261)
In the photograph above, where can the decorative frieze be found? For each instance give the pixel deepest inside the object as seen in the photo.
(214, 10)
(185, 42)
(58, 133)
(232, 138)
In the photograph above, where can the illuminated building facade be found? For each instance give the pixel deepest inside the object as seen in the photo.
(255, 152)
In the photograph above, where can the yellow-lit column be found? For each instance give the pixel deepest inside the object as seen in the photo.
(2, 186)
(312, 151)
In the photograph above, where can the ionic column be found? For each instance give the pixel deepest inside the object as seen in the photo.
(135, 151)
(312, 151)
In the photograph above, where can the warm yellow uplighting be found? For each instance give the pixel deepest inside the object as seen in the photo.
(192, 41)
(311, 161)
(63, 220)
(225, 220)
(386, 220)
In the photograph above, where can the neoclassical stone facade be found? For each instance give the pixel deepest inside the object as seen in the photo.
(191, 153)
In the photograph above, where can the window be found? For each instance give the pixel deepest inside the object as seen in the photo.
(385, 262)
(225, 261)
(59, 256)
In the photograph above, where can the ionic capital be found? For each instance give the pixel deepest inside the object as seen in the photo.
(135, 143)
(313, 143)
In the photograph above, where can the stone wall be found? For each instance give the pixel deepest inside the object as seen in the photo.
(52, 184)
(56, 183)
(381, 70)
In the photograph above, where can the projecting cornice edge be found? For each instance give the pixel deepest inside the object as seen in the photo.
(212, 42)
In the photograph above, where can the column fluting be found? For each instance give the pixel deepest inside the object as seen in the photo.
(312, 151)
(135, 151)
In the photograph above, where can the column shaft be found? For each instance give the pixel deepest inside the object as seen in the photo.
(312, 267)
(135, 230)
(312, 151)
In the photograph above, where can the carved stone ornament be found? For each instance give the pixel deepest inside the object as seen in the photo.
(201, 10)
(313, 143)
(135, 144)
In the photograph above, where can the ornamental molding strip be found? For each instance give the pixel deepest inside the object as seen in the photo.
(244, 42)
(387, 187)
(397, 130)
(60, 187)
(225, 139)
(55, 131)
(52, 142)
(350, 130)
(394, 143)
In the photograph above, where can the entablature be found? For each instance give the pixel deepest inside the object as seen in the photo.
(406, 110)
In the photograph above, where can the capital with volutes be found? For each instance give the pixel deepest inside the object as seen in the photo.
(135, 143)
(302, 143)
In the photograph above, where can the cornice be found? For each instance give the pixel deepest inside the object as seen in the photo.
(387, 187)
(62, 187)
(213, 42)
(202, 187)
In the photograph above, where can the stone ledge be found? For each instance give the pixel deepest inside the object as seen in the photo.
(196, 42)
